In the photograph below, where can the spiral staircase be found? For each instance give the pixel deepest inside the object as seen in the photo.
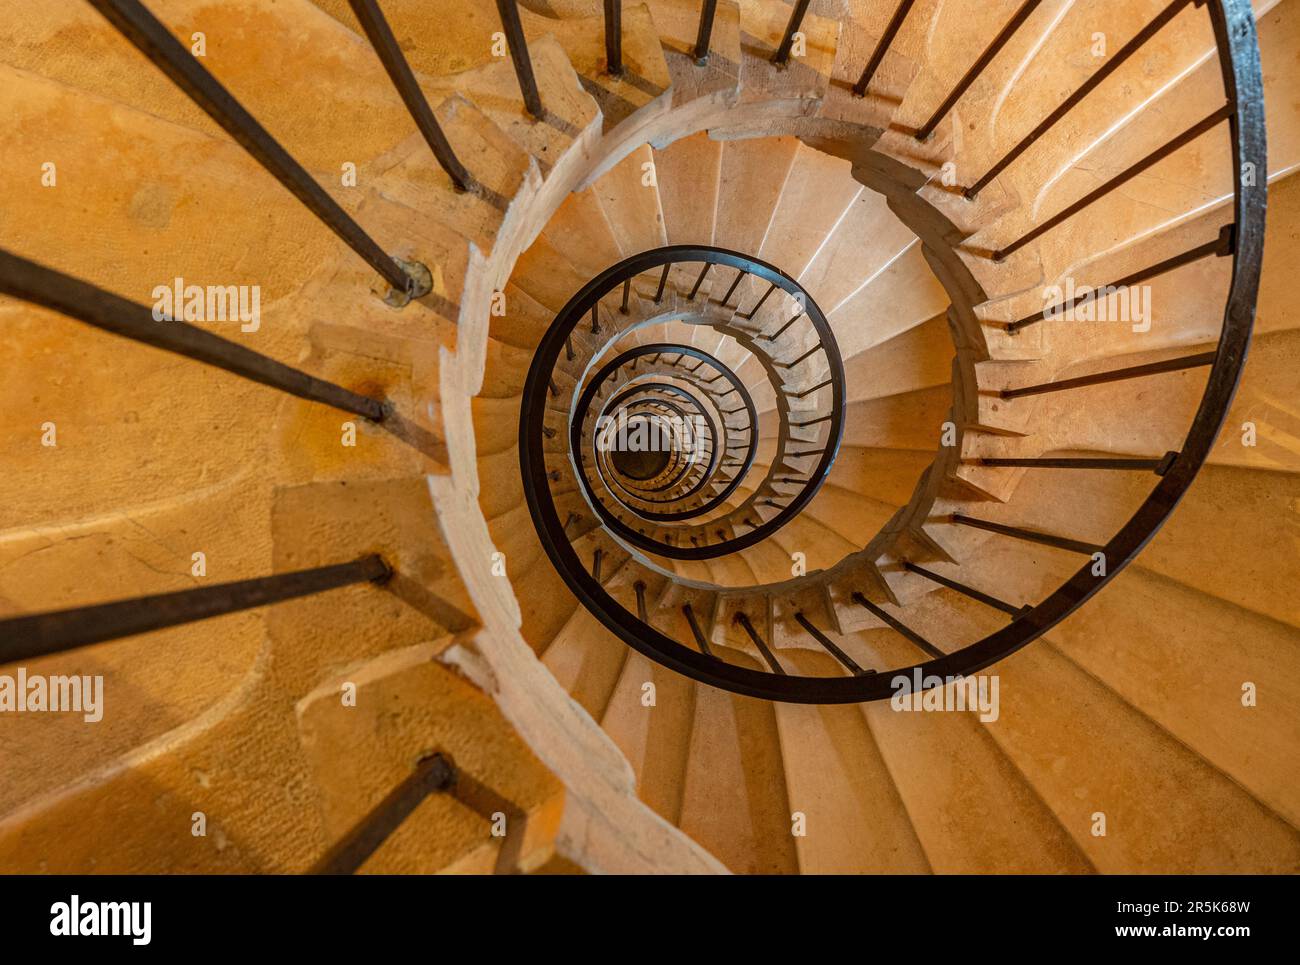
(373, 586)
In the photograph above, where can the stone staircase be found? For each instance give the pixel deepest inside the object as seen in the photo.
(1131, 708)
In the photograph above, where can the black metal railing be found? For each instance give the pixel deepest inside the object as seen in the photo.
(514, 31)
(1221, 247)
(804, 452)
(707, 12)
(39, 634)
(134, 21)
(1241, 240)
(977, 68)
(390, 54)
(797, 13)
(882, 47)
(433, 773)
(614, 37)
(104, 310)
(694, 463)
(722, 429)
(810, 399)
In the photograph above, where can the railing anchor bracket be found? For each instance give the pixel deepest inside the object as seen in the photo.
(419, 282)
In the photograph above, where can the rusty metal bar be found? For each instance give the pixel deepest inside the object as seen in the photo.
(663, 280)
(1158, 466)
(695, 629)
(810, 422)
(757, 305)
(614, 37)
(806, 355)
(1029, 535)
(707, 12)
(808, 392)
(699, 281)
(432, 774)
(781, 331)
(436, 773)
(740, 274)
(782, 54)
(1221, 247)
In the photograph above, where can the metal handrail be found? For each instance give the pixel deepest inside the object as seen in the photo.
(1234, 30)
(1235, 37)
(714, 432)
(576, 432)
(134, 21)
(40, 634)
(677, 469)
(533, 412)
(111, 312)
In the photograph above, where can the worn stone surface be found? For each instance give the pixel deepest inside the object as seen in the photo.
(158, 458)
